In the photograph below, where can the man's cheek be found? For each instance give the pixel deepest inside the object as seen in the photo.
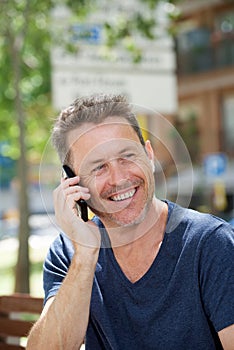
(95, 198)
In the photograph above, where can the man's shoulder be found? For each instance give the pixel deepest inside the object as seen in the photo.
(193, 222)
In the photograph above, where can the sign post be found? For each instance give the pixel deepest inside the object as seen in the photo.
(215, 165)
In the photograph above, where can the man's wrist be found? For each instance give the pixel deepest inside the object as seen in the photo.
(85, 257)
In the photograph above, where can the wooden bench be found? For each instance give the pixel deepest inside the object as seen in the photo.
(18, 312)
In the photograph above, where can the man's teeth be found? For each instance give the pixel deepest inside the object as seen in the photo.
(121, 197)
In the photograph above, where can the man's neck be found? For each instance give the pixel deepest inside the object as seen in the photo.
(136, 257)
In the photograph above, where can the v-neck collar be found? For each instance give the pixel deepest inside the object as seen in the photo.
(106, 244)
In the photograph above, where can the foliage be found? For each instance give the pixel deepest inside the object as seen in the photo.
(35, 78)
(128, 28)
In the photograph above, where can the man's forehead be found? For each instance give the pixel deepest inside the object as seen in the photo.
(110, 128)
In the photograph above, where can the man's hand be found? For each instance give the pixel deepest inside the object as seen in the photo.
(66, 196)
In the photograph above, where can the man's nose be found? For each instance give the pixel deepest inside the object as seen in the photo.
(117, 172)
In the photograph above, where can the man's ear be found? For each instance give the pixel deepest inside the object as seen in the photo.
(150, 153)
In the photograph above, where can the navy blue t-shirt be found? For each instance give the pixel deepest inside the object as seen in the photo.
(182, 301)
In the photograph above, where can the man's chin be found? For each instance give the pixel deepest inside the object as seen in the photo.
(120, 219)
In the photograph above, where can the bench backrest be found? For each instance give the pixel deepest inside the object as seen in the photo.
(18, 312)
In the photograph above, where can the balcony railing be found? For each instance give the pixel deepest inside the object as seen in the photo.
(216, 53)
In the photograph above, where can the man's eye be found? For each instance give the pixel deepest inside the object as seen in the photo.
(99, 168)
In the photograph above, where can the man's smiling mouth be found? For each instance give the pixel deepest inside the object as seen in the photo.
(123, 196)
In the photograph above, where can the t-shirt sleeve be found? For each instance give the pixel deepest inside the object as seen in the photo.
(217, 276)
(56, 265)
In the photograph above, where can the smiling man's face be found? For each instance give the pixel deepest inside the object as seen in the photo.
(116, 168)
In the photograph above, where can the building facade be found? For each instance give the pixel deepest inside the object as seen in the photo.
(205, 71)
(205, 63)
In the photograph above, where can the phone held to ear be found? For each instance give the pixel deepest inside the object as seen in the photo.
(83, 208)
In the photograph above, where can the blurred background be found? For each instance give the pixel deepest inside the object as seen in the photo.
(174, 60)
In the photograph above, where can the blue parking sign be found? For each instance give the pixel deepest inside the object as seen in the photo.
(215, 164)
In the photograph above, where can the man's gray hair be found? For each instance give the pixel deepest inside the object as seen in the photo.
(91, 109)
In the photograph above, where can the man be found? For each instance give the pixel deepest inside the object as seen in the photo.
(144, 273)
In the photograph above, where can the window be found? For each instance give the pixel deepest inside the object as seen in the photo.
(228, 124)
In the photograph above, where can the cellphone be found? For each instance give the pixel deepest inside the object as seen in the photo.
(83, 208)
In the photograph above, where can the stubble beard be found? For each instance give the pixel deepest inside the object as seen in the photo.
(111, 220)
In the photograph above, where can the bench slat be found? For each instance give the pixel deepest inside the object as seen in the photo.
(11, 347)
(12, 313)
(20, 303)
(16, 328)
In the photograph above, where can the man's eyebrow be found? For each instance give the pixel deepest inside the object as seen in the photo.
(96, 161)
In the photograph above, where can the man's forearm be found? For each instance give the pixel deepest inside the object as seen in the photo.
(63, 325)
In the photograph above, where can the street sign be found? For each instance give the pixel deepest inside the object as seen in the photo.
(215, 164)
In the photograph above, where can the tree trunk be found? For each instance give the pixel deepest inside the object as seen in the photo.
(23, 266)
